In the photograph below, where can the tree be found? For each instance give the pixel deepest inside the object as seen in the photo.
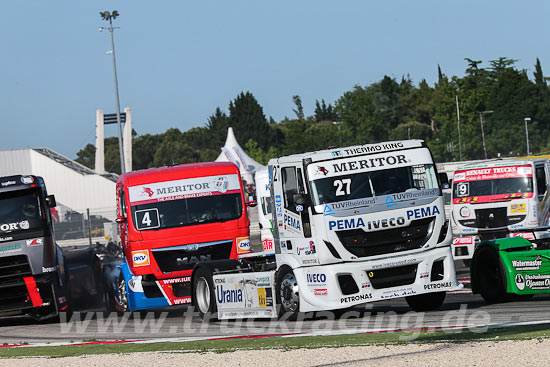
(248, 121)
(86, 156)
(324, 112)
(299, 110)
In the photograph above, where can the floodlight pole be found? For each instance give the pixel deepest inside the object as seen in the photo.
(527, 119)
(482, 132)
(109, 16)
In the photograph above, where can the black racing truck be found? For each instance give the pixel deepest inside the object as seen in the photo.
(32, 275)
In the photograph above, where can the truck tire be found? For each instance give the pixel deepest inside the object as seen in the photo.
(487, 272)
(288, 294)
(121, 296)
(204, 293)
(426, 302)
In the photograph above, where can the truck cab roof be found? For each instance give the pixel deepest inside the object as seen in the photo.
(356, 150)
(20, 182)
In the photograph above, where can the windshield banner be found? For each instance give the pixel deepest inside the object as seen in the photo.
(375, 162)
(493, 173)
(184, 189)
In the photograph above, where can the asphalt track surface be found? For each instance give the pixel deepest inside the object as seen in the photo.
(459, 310)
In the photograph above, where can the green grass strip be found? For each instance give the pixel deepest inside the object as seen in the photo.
(228, 345)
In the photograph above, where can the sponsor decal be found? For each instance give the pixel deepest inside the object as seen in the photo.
(365, 285)
(219, 281)
(390, 202)
(8, 183)
(316, 278)
(35, 242)
(527, 235)
(353, 223)
(320, 292)
(426, 211)
(415, 194)
(327, 210)
(424, 275)
(292, 222)
(463, 241)
(4, 239)
(176, 280)
(310, 261)
(537, 281)
(369, 163)
(147, 192)
(356, 298)
(265, 297)
(373, 148)
(48, 269)
(438, 285)
(10, 248)
(299, 208)
(8, 227)
(522, 265)
(336, 153)
(520, 282)
(349, 204)
(183, 189)
(140, 257)
(243, 245)
(263, 282)
(493, 173)
(393, 264)
(267, 244)
(519, 208)
(401, 292)
(321, 171)
(308, 250)
(229, 295)
(278, 206)
(27, 180)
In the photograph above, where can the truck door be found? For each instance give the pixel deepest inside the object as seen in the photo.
(296, 227)
(122, 225)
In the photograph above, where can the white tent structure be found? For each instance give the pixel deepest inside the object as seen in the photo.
(232, 152)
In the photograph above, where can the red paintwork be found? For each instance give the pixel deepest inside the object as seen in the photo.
(133, 240)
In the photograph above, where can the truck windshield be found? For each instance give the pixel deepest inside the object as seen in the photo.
(515, 185)
(374, 183)
(187, 212)
(21, 211)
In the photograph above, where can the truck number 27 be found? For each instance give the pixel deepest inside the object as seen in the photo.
(343, 186)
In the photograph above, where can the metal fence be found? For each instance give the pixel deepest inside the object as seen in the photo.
(74, 228)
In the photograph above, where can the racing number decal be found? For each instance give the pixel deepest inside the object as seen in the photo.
(343, 186)
(462, 189)
(147, 219)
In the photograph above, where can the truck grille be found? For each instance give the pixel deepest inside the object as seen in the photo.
(492, 218)
(13, 291)
(178, 258)
(363, 244)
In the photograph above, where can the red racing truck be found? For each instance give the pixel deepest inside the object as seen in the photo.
(170, 219)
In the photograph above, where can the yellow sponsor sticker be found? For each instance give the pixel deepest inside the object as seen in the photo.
(518, 208)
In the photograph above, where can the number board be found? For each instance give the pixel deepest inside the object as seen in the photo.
(147, 219)
(463, 189)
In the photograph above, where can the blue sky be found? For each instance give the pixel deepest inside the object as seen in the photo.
(179, 60)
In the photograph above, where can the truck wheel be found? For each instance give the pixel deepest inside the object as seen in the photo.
(487, 272)
(204, 298)
(426, 302)
(121, 299)
(288, 295)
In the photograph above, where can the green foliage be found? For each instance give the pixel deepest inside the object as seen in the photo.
(384, 110)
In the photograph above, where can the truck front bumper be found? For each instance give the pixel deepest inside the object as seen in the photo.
(336, 286)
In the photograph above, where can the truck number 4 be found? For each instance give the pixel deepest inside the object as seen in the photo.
(343, 186)
(146, 219)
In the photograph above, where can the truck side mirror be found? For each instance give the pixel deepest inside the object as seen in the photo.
(444, 180)
(50, 201)
(120, 220)
(251, 202)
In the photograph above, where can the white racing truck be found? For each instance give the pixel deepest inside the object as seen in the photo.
(351, 225)
(492, 198)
